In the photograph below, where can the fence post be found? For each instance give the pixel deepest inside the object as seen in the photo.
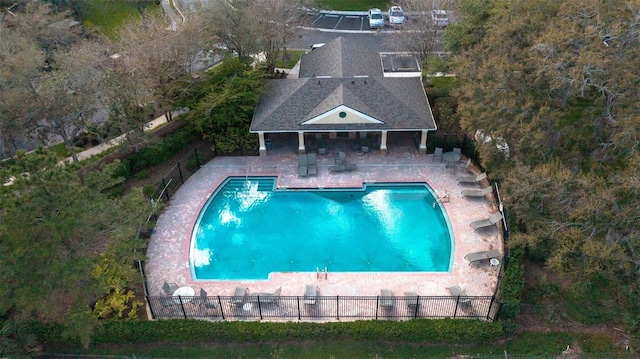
(220, 304)
(417, 304)
(298, 300)
(259, 307)
(377, 299)
(184, 313)
(195, 152)
(337, 307)
(153, 315)
(180, 172)
(455, 312)
(493, 297)
(164, 185)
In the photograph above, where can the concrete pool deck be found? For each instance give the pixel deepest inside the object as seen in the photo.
(168, 250)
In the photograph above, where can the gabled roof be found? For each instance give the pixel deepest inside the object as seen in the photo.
(341, 58)
(397, 103)
(342, 88)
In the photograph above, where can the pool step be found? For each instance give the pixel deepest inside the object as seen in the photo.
(264, 184)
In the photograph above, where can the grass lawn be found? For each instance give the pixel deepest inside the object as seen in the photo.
(529, 344)
(108, 15)
(290, 60)
(354, 5)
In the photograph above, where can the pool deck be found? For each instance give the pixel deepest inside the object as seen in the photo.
(168, 251)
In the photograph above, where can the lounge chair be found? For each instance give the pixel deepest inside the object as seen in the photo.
(303, 166)
(477, 192)
(456, 291)
(312, 168)
(310, 294)
(412, 299)
(437, 153)
(204, 300)
(487, 222)
(169, 288)
(386, 299)
(472, 179)
(341, 157)
(350, 166)
(464, 165)
(481, 256)
(239, 295)
(338, 168)
(266, 298)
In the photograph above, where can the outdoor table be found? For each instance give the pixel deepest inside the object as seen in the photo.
(451, 156)
(183, 293)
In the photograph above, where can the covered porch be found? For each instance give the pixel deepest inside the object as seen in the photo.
(323, 142)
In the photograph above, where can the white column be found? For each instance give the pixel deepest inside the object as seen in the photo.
(423, 143)
(301, 148)
(263, 147)
(383, 143)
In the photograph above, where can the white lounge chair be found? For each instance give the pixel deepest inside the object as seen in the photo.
(239, 295)
(488, 222)
(477, 192)
(472, 179)
(266, 298)
(386, 299)
(310, 294)
(456, 291)
(481, 256)
(412, 299)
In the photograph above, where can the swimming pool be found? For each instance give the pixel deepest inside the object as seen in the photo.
(248, 229)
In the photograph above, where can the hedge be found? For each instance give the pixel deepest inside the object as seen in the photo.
(440, 331)
(512, 286)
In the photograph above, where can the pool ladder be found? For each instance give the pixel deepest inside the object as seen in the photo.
(319, 273)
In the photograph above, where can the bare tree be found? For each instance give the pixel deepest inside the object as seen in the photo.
(421, 31)
(277, 21)
(256, 27)
(47, 76)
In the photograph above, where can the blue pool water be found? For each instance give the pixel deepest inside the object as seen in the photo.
(248, 229)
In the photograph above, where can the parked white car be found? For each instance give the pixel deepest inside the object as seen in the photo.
(376, 19)
(396, 16)
(439, 18)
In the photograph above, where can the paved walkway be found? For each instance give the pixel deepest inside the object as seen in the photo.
(168, 251)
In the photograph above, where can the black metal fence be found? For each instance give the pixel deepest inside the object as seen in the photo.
(324, 308)
(182, 170)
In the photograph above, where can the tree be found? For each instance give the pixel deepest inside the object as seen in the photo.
(222, 103)
(421, 33)
(48, 78)
(557, 82)
(54, 230)
(272, 24)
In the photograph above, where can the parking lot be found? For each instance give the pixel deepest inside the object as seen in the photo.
(355, 21)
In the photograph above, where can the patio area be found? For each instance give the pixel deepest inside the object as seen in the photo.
(168, 251)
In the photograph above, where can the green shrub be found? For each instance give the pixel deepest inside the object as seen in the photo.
(191, 164)
(142, 174)
(512, 285)
(185, 331)
(148, 190)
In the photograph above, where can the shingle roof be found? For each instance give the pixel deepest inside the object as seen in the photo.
(341, 58)
(400, 103)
